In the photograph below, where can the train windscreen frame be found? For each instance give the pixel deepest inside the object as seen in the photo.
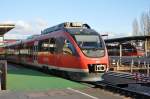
(90, 45)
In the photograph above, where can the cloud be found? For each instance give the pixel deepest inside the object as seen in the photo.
(41, 23)
(15, 36)
(23, 29)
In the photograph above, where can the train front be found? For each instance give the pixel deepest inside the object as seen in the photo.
(92, 53)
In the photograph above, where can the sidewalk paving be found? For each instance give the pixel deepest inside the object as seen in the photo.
(68, 93)
(51, 94)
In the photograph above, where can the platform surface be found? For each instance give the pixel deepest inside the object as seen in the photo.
(21, 79)
(67, 93)
(25, 83)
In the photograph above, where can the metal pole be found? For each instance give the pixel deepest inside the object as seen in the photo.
(139, 63)
(144, 64)
(117, 65)
(120, 46)
(131, 69)
(146, 47)
(148, 70)
(3, 75)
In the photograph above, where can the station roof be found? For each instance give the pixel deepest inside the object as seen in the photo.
(5, 28)
(124, 39)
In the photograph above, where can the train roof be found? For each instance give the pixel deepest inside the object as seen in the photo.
(13, 44)
(71, 27)
(73, 31)
(33, 36)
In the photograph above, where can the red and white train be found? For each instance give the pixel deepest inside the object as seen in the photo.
(71, 49)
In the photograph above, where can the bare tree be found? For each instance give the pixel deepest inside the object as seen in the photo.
(145, 23)
(148, 22)
(135, 27)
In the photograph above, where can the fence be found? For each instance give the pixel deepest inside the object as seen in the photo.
(130, 64)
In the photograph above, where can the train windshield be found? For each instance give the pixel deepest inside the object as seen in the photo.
(91, 45)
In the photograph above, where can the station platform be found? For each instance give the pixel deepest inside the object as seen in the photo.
(66, 93)
(20, 78)
(25, 83)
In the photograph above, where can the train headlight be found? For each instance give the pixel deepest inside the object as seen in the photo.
(100, 67)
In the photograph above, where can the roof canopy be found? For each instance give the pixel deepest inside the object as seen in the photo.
(125, 39)
(5, 28)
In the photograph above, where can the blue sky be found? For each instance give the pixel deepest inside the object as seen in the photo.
(112, 16)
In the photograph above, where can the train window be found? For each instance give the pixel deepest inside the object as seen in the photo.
(16, 52)
(47, 45)
(40, 46)
(10, 51)
(43, 45)
(24, 51)
(68, 48)
(52, 45)
(91, 45)
(64, 46)
(30, 51)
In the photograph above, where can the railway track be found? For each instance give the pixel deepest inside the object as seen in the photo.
(125, 90)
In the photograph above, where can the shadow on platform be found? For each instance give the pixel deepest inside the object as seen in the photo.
(17, 70)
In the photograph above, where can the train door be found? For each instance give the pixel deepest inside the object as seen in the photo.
(46, 52)
(22, 52)
(52, 50)
(35, 52)
(68, 55)
(58, 50)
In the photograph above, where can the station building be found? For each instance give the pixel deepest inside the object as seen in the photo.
(142, 43)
